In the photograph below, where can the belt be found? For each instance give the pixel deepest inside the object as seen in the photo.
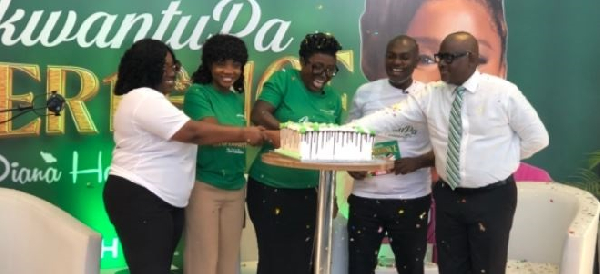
(464, 190)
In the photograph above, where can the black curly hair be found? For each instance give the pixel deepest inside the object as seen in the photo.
(318, 43)
(221, 47)
(142, 65)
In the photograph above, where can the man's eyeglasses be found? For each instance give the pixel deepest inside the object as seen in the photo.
(319, 68)
(449, 57)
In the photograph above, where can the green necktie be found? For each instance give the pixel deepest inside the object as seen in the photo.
(454, 136)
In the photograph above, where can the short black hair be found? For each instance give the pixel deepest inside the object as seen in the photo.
(318, 43)
(142, 65)
(403, 37)
(217, 48)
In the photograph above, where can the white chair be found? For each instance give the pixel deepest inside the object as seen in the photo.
(555, 229)
(38, 237)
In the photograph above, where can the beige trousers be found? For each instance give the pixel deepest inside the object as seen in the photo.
(214, 219)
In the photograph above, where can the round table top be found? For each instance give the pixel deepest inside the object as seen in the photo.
(277, 159)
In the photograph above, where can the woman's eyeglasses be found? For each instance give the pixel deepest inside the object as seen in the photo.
(319, 68)
(176, 67)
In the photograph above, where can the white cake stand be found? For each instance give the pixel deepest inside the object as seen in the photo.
(326, 197)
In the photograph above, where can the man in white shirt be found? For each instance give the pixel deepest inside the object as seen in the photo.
(396, 204)
(480, 126)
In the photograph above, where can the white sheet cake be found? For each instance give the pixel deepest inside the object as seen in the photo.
(325, 142)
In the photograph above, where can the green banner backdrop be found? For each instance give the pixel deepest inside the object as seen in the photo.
(73, 47)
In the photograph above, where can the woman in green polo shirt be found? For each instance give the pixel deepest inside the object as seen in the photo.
(215, 215)
(282, 201)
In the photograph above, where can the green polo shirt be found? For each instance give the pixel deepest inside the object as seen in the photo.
(293, 102)
(221, 165)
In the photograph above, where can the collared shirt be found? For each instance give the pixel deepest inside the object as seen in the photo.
(144, 154)
(412, 139)
(500, 126)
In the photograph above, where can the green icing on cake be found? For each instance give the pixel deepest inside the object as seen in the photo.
(284, 125)
(315, 126)
(303, 127)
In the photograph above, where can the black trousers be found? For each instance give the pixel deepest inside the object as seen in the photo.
(473, 226)
(148, 227)
(284, 221)
(404, 221)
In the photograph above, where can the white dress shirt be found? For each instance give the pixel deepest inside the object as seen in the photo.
(500, 127)
(144, 154)
(412, 141)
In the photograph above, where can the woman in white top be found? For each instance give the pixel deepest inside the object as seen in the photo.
(153, 164)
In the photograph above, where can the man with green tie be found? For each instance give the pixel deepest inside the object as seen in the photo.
(480, 127)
